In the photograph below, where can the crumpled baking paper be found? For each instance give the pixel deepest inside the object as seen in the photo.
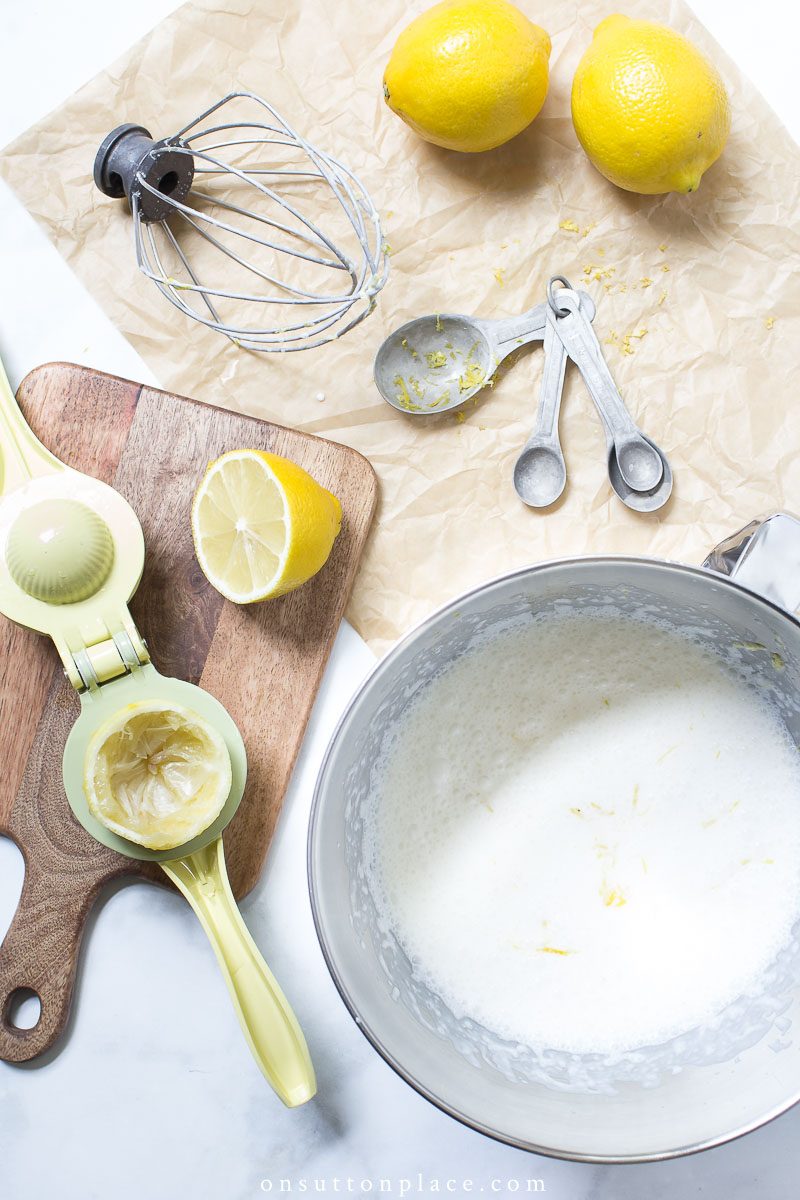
(698, 297)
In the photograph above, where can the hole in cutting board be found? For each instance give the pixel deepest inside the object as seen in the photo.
(23, 1009)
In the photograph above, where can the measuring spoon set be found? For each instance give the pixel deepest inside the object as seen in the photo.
(437, 363)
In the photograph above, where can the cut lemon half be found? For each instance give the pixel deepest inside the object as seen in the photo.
(157, 774)
(261, 525)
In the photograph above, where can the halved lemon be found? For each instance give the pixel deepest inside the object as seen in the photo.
(157, 774)
(262, 526)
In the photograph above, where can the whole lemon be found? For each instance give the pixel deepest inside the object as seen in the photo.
(649, 110)
(468, 74)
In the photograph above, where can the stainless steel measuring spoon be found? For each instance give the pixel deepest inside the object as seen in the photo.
(639, 501)
(540, 473)
(436, 363)
(640, 463)
(657, 497)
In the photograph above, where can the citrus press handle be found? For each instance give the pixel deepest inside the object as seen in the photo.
(22, 455)
(268, 1023)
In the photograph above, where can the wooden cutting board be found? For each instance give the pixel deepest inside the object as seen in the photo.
(263, 662)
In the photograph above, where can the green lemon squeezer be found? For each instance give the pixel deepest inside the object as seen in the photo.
(71, 557)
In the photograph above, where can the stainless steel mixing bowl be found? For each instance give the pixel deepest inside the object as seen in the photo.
(704, 1088)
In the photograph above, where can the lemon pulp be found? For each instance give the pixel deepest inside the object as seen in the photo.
(157, 774)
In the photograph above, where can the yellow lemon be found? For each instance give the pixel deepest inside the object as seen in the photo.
(468, 74)
(261, 525)
(649, 110)
(157, 774)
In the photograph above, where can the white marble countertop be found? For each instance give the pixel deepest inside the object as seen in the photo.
(153, 1094)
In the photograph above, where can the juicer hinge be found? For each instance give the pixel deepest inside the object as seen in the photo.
(95, 665)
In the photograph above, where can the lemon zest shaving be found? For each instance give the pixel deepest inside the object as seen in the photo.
(611, 897)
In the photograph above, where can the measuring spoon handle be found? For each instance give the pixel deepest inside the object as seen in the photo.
(510, 332)
(22, 455)
(552, 385)
(268, 1023)
(583, 347)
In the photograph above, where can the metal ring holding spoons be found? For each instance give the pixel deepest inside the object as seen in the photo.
(551, 298)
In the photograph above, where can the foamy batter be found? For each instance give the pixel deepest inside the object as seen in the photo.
(588, 837)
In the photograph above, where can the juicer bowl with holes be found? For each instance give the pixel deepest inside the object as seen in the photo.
(699, 1090)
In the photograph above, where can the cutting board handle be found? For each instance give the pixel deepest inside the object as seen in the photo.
(40, 951)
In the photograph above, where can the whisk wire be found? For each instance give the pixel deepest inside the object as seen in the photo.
(258, 158)
(251, 216)
(247, 337)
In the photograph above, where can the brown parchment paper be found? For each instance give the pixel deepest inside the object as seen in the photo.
(708, 366)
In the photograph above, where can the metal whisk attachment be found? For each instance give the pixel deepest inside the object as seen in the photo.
(221, 216)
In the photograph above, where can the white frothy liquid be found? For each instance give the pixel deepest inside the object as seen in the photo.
(587, 836)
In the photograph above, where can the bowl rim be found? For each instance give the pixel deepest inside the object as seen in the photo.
(381, 667)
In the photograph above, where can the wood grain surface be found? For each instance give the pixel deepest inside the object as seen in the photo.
(263, 662)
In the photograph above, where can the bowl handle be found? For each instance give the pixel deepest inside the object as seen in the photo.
(764, 556)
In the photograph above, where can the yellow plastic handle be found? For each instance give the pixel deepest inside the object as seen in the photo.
(22, 455)
(273, 1034)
